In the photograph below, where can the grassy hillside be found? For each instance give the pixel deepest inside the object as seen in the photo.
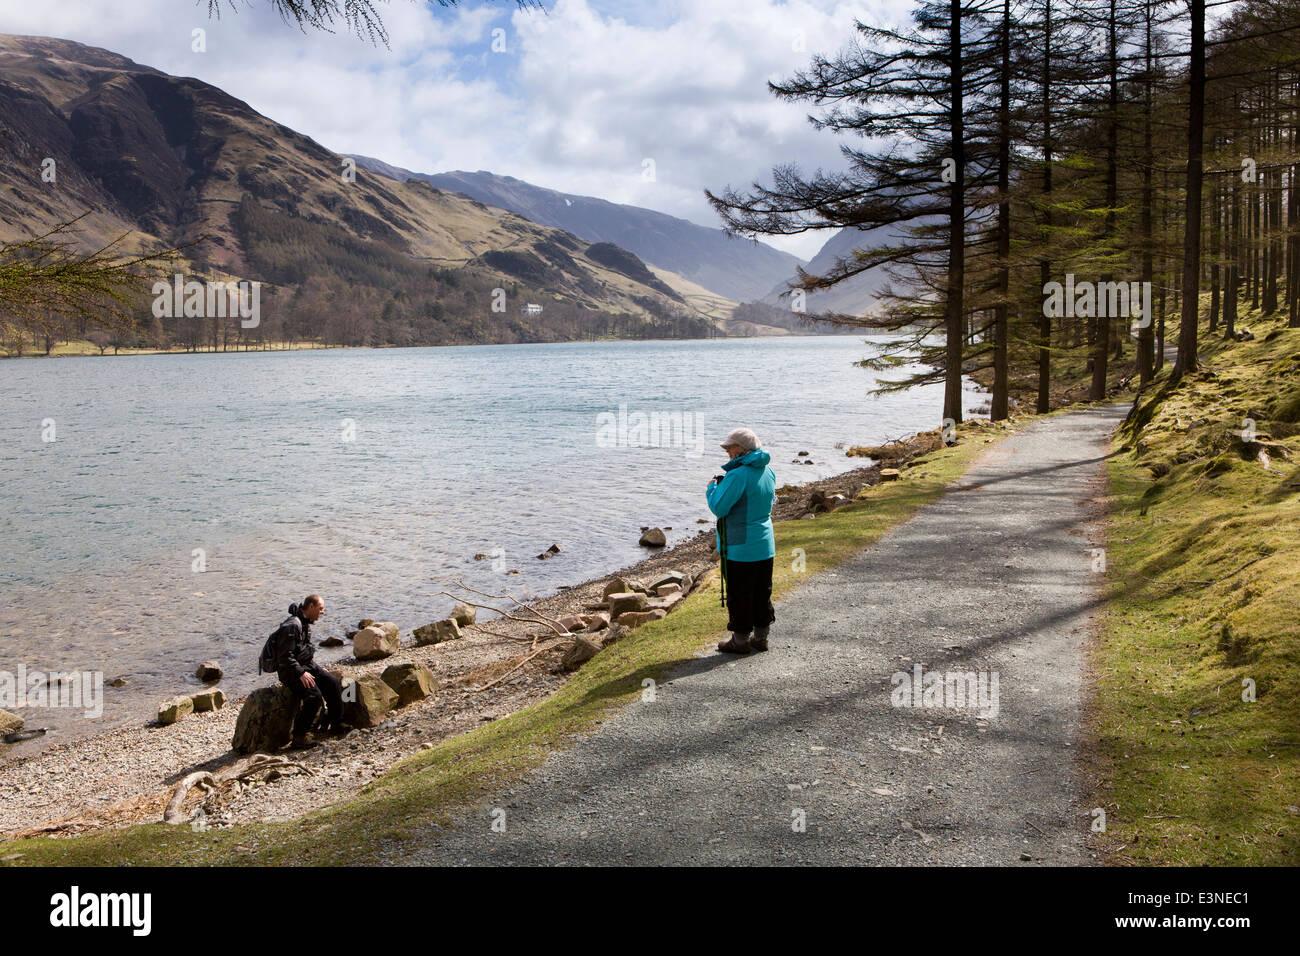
(1204, 603)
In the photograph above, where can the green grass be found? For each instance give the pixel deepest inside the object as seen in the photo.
(424, 790)
(1203, 592)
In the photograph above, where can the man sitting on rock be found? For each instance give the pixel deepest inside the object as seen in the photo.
(308, 681)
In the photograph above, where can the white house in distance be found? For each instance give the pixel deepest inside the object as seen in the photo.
(532, 308)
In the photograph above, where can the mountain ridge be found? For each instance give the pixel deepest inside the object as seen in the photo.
(737, 269)
(168, 161)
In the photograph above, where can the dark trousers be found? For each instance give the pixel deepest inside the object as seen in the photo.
(749, 595)
(327, 689)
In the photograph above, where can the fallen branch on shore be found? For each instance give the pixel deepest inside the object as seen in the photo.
(213, 784)
(541, 650)
(539, 617)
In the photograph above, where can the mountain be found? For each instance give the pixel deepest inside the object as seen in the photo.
(734, 268)
(855, 296)
(358, 258)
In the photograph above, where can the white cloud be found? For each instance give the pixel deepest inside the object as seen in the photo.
(577, 103)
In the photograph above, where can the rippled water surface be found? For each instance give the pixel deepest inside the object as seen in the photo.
(366, 475)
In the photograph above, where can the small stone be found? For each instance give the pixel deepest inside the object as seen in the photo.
(653, 538)
(208, 700)
(668, 577)
(614, 634)
(367, 700)
(665, 603)
(437, 632)
(376, 641)
(626, 601)
(616, 586)
(574, 622)
(578, 653)
(209, 671)
(412, 682)
(10, 723)
(634, 619)
(173, 710)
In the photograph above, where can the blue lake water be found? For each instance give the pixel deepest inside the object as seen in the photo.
(368, 475)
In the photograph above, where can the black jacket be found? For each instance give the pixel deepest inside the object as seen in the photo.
(292, 643)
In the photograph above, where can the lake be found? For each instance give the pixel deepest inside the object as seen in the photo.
(186, 500)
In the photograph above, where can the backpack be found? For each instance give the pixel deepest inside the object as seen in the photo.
(266, 660)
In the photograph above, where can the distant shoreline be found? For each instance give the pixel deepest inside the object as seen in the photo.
(92, 351)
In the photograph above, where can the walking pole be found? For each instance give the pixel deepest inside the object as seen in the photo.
(722, 552)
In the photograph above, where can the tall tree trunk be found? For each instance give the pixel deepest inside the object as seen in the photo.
(1232, 290)
(956, 286)
(1187, 330)
(1146, 334)
(1215, 214)
(999, 406)
(1101, 351)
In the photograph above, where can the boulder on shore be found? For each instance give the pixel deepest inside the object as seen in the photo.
(669, 577)
(634, 619)
(208, 700)
(265, 722)
(665, 602)
(574, 622)
(653, 538)
(437, 632)
(616, 586)
(209, 671)
(627, 601)
(578, 653)
(614, 634)
(375, 641)
(10, 723)
(411, 682)
(170, 711)
(598, 621)
(366, 700)
(464, 614)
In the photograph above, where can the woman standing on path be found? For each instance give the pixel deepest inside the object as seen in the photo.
(742, 501)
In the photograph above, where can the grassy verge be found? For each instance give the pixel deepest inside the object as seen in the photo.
(426, 788)
(1203, 603)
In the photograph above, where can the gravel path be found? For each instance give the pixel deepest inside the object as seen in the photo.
(733, 755)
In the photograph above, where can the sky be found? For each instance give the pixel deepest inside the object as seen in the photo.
(642, 103)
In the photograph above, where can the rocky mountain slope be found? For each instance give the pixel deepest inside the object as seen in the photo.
(733, 268)
(173, 161)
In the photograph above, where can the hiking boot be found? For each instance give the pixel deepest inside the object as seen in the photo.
(758, 643)
(736, 644)
(304, 742)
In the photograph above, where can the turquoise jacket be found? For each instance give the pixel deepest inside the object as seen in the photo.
(743, 499)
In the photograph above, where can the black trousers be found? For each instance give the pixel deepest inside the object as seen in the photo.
(327, 689)
(749, 595)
